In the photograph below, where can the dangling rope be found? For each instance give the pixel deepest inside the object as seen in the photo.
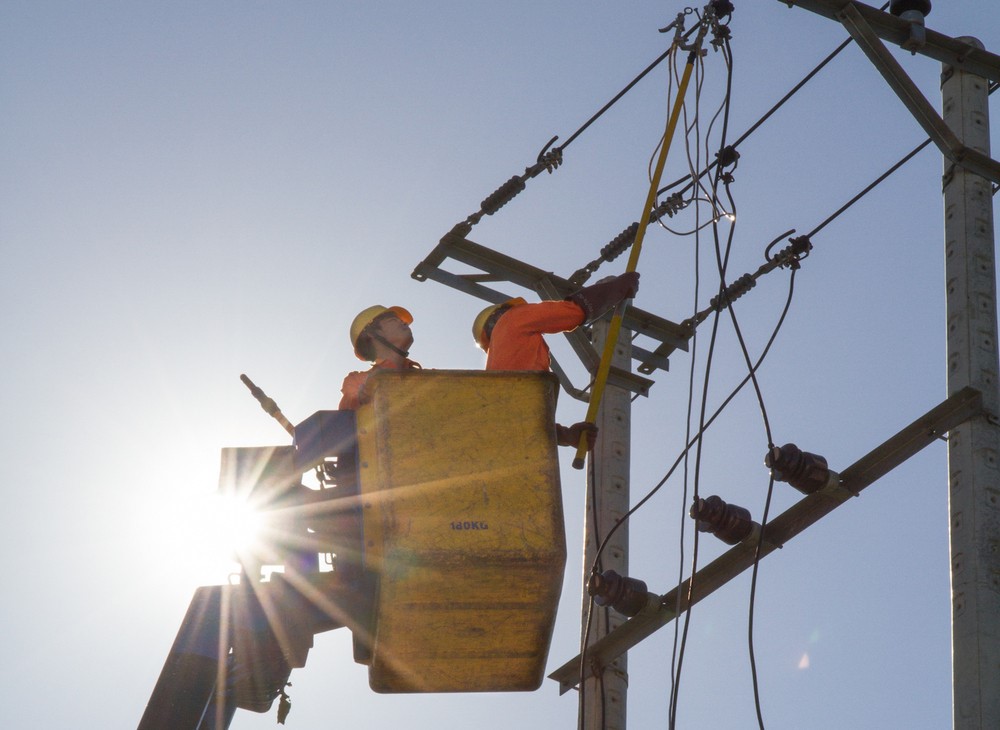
(597, 391)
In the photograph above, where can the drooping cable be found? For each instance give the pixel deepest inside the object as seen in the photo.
(612, 334)
(686, 476)
(756, 559)
(604, 366)
(694, 178)
(767, 115)
(769, 437)
(679, 651)
(694, 440)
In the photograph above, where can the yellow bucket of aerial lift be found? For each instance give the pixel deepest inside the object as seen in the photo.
(463, 522)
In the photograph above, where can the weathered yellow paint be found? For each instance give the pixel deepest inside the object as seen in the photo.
(463, 521)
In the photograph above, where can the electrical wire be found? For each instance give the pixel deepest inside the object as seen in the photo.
(702, 430)
(680, 635)
(767, 115)
(695, 178)
(695, 164)
(871, 186)
(614, 99)
(722, 256)
(679, 651)
(906, 158)
(627, 88)
(685, 481)
(698, 226)
(550, 159)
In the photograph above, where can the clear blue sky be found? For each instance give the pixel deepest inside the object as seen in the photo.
(193, 190)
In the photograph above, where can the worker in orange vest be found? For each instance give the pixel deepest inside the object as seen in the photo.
(512, 332)
(382, 336)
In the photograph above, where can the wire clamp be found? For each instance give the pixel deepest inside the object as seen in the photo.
(677, 26)
(797, 249)
(547, 159)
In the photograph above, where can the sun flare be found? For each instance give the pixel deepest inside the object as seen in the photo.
(236, 525)
(201, 536)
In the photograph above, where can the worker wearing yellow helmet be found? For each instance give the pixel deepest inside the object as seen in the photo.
(512, 332)
(381, 335)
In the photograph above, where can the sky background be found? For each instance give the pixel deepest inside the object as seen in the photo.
(194, 190)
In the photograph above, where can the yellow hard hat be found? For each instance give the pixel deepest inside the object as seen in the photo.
(479, 325)
(367, 316)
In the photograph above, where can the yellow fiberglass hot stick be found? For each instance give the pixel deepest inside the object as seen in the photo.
(597, 391)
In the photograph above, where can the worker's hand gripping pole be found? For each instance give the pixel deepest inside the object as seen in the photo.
(597, 391)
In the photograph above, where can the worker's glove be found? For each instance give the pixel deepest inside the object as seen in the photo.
(570, 435)
(596, 299)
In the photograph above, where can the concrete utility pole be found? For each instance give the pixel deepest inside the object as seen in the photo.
(970, 415)
(604, 695)
(974, 446)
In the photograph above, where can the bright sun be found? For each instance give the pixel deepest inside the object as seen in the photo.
(200, 535)
(227, 526)
(236, 524)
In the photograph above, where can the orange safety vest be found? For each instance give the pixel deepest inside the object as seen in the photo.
(354, 383)
(516, 342)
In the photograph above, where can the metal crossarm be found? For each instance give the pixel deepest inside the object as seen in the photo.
(921, 109)
(895, 30)
(661, 610)
(494, 266)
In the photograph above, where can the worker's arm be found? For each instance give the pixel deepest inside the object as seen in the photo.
(543, 318)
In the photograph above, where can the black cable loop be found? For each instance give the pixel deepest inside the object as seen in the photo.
(546, 157)
(808, 77)
(772, 244)
(675, 202)
(677, 653)
(706, 424)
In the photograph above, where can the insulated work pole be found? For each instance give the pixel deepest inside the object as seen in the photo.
(973, 447)
(597, 391)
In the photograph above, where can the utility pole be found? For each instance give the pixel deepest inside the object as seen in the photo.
(974, 446)
(605, 687)
(970, 415)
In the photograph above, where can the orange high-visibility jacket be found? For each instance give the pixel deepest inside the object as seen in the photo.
(354, 384)
(516, 342)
